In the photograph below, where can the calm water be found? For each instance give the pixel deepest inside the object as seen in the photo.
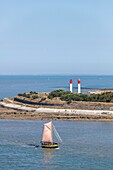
(12, 85)
(86, 145)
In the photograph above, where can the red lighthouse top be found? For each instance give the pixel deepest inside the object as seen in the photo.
(71, 81)
(78, 81)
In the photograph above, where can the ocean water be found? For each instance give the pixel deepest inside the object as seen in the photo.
(12, 85)
(86, 146)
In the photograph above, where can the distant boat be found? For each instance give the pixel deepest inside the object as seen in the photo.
(47, 136)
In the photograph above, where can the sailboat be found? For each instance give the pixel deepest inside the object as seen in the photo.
(47, 136)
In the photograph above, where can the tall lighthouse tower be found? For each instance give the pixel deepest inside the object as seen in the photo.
(79, 88)
(71, 85)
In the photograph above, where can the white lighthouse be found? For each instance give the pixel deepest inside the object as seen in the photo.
(79, 88)
(71, 85)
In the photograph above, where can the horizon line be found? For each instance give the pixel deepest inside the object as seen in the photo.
(56, 74)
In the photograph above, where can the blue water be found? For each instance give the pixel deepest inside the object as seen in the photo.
(86, 146)
(12, 85)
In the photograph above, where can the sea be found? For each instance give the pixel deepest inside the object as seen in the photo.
(12, 85)
(85, 145)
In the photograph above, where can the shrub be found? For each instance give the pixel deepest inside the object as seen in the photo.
(56, 93)
(69, 97)
(34, 97)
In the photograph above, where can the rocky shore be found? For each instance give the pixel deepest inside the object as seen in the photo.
(55, 109)
(16, 111)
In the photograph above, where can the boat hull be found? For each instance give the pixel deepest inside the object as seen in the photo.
(50, 146)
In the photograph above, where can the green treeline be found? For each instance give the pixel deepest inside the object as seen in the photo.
(69, 97)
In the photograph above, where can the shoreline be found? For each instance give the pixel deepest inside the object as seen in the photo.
(8, 112)
(43, 108)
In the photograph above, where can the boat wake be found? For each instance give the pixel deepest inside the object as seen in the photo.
(33, 145)
(57, 148)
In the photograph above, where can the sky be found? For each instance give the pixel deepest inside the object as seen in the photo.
(56, 37)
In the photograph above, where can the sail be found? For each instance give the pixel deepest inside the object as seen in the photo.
(57, 134)
(47, 133)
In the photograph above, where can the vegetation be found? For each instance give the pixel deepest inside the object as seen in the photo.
(56, 93)
(32, 95)
(69, 97)
(24, 95)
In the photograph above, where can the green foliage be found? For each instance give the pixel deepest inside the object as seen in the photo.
(69, 97)
(27, 95)
(31, 92)
(56, 93)
(19, 94)
(34, 96)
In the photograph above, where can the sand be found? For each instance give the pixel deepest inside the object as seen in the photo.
(18, 112)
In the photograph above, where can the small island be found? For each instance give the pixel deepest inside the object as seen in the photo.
(59, 105)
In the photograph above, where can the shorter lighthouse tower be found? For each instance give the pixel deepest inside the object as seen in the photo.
(71, 85)
(79, 88)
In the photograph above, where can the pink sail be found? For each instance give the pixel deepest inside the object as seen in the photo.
(47, 133)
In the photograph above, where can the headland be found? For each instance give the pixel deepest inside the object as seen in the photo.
(37, 106)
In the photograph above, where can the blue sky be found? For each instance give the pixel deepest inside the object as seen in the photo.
(56, 37)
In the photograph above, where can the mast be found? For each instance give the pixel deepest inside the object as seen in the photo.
(47, 133)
